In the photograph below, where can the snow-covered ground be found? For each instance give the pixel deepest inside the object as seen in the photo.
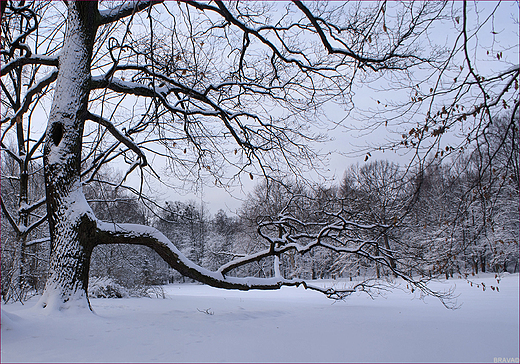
(197, 323)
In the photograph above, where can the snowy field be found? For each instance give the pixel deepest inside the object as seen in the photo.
(197, 323)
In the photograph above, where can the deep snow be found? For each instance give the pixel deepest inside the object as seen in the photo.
(197, 323)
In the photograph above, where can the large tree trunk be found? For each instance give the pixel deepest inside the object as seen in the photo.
(71, 222)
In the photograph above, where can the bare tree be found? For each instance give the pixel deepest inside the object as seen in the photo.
(23, 195)
(378, 192)
(216, 89)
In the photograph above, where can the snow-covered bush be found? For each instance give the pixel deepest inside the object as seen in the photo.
(104, 287)
(156, 292)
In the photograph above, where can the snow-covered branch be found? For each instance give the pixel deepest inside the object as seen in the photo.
(38, 241)
(126, 9)
(26, 230)
(34, 59)
(21, 230)
(26, 209)
(134, 88)
(290, 241)
(205, 107)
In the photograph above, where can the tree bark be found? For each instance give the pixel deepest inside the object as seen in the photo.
(71, 221)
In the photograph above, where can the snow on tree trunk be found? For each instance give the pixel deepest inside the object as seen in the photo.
(71, 221)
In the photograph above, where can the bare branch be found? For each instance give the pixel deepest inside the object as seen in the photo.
(119, 136)
(13, 223)
(46, 81)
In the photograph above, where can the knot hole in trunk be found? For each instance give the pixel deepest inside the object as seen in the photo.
(57, 133)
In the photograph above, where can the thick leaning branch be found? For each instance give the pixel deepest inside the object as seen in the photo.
(113, 233)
